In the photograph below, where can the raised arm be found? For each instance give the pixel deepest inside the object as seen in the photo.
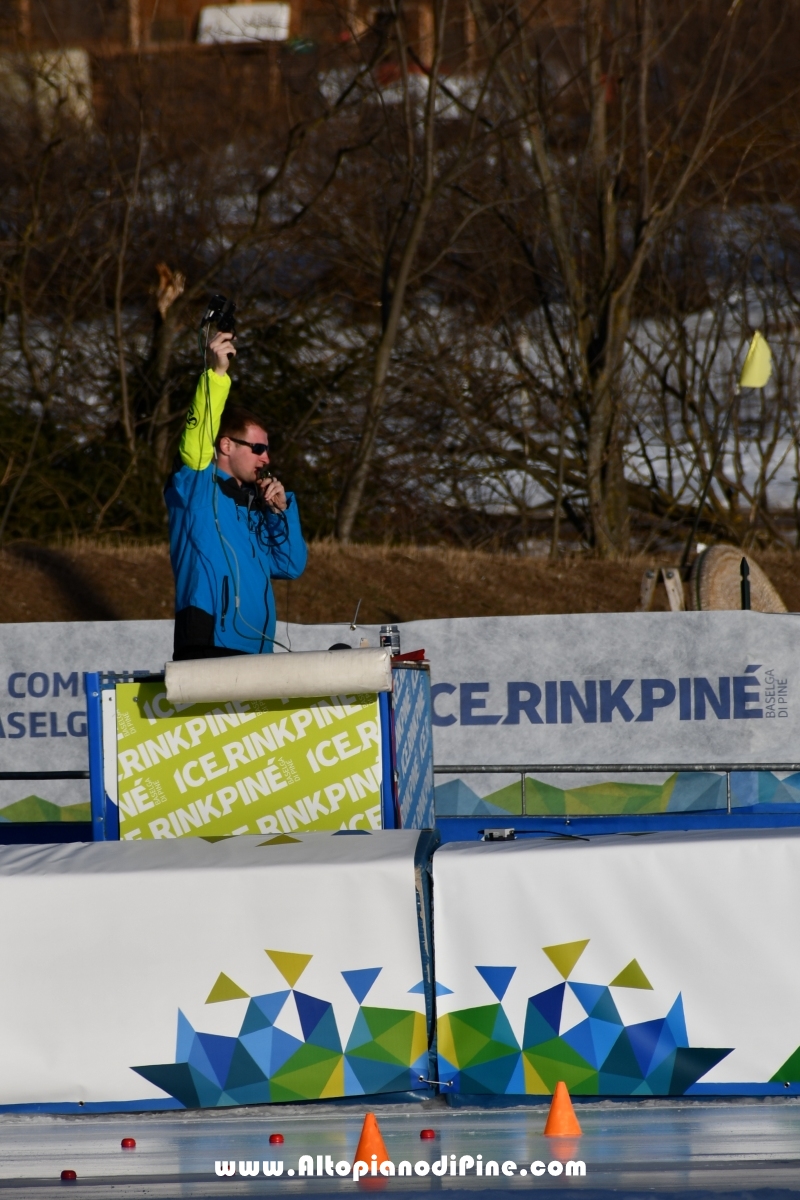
(202, 420)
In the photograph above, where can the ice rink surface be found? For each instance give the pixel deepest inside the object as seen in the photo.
(631, 1149)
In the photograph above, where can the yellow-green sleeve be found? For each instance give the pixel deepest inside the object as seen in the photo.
(202, 420)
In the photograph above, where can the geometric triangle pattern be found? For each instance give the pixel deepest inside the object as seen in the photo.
(291, 966)
(419, 989)
(498, 978)
(387, 1050)
(361, 981)
(632, 976)
(225, 989)
(790, 1071)
(565, 956)
(599, 1056)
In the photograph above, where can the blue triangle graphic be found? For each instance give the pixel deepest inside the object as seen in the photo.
(184, 1039)
(361, 981)
(604, 1008)
(676, 1022)
(282, 1049)
(604, 1036)
(352, 1087)
(262, 1011)
(516, 1084)
(580, 1039)
(441, 990)
(498, 978)
(588, 994)
(219, 1051)
(644, 1039)
(311, 1010)
(360, 1034)
(664, 1047)
(419, 988)
(548, 1004)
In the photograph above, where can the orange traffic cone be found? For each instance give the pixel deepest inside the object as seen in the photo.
(561, 1120)
(371, 1142)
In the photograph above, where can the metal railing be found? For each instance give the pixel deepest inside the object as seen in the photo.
(9, 775)
(526, 769)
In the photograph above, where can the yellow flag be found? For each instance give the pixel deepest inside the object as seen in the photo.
(758, 364)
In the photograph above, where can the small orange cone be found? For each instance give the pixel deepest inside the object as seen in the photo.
(561, 1120)
(371, 1142)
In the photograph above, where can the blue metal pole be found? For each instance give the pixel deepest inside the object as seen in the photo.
(388, 808)
(94, 729)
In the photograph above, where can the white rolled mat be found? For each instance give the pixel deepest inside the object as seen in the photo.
(271, 676)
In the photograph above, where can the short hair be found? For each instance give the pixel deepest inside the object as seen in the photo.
(235, 422)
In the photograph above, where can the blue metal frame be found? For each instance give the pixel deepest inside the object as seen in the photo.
(388, 806)
(94, 730)
(470, 829)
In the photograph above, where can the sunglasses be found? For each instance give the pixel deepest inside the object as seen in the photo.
(256, 447)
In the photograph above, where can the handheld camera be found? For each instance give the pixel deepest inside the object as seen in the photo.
(220, 312)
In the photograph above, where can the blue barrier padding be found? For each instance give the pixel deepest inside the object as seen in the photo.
(94, 1106)
(697, 1092)
(423, 856)
(413, 746)
(94, 729)
(112, 821)
(470, 829)
(703, 1090)
(170, 1104)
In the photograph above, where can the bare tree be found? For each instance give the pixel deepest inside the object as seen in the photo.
(631, 115)
(435, 128)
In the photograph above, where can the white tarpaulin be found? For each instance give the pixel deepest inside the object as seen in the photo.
(238, 972)
(646, 966)
(609, 687)
(575, 689)
(254, 22)
(43, 706)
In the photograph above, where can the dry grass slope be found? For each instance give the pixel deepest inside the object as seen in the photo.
(92, 581)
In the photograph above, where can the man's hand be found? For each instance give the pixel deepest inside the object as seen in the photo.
(220, 349)
(273, 494)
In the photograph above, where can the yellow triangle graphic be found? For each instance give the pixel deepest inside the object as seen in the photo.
(291, 966)
(565, 956)
(335, 1085)
(632, 976)
(225, 989)
(534, 1084)
(445, 1040)
(280, 840)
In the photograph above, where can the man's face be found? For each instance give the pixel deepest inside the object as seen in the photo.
(243, 462)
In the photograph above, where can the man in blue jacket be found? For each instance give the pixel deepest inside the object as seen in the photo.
(230, 531)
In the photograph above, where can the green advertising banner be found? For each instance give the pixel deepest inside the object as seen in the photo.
(265, 766)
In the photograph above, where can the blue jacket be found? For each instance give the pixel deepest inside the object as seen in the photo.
(225, 551)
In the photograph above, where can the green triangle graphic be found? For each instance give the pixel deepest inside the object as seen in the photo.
(565, 956)
(225, 989)
(34, 808)
(632, 976)
(291, 966)
(280, 840)
(790, 1071)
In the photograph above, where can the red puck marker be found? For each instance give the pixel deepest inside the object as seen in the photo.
(69, 1176)
(427, 1134)
(128, 1143)
(275, 1139)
